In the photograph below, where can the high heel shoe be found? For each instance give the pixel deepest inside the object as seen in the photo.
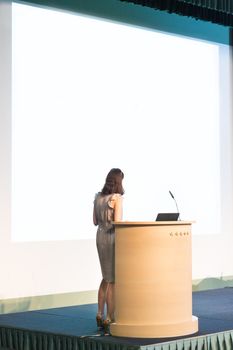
(99, 321)
(106, 326)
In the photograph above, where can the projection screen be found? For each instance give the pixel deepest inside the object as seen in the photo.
(91, 94)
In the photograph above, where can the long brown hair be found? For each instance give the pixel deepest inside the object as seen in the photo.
(113, 182)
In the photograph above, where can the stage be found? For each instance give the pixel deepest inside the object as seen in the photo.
(74, 328)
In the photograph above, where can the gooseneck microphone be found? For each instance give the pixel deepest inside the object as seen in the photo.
(175, 203)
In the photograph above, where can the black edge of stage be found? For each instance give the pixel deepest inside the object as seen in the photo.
(73, 328)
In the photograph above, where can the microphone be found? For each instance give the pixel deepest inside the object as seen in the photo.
(175, 203)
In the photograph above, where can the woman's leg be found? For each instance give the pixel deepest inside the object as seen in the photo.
(102, 297)
(110, 301)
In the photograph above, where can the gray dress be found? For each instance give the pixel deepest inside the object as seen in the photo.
(105, 238)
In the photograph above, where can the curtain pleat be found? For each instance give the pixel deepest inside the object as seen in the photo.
(15, 339)
(219, 5)
(215, 11)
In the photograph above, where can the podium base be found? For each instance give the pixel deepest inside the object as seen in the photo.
(155, 330)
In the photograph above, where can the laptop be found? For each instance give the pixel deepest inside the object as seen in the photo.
(167, 217)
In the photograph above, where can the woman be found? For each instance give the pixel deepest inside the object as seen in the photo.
(107, 208)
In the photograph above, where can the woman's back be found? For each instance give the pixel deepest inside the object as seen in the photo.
(104, 209)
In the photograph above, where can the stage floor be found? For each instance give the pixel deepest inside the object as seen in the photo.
(214, 308)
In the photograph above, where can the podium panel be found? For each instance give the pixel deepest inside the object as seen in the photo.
(153, 282)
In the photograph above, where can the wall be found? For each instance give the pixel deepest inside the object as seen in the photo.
(63, 269)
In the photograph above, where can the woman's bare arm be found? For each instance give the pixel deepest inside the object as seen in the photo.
(94, 218)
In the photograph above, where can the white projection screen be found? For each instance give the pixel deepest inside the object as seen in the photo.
(91, 94)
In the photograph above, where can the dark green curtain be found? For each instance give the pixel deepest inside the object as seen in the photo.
(19, 339)
(215, 11)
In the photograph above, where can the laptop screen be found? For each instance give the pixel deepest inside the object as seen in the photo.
(167, 217)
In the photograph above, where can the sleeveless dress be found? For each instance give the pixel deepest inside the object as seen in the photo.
(105, 238)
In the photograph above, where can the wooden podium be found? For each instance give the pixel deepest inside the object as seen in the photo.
(153, 263)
